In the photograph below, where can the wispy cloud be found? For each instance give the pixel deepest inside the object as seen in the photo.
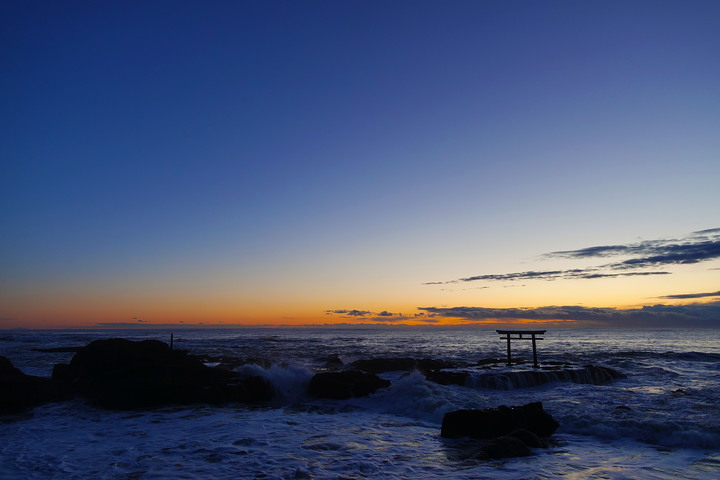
(349, 313)
(698, 315)
(383, 316)
(557, 274)
(680, 296)
(697, 247)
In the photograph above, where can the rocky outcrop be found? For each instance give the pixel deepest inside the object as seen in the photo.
(506, 446)
(393, 364)
(345, 384)
(448, 378)
(508, 380)
(496, 422)
(381, 365)
(19, 391)
(123, 374)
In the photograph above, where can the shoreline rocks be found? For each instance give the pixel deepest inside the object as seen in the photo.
(510, 431)
(123, 374)
(19, 391)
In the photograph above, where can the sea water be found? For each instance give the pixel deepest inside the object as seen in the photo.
(662, 422)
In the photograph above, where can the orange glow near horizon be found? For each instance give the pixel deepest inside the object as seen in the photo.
(87, 306)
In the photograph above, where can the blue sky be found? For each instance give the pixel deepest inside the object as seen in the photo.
(267, 162)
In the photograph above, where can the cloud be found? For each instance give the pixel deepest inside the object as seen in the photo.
(691, 295)
(556, 274)
(699, 246)
(384, 316)
(352, 313)
(696, 315)
(401, 318)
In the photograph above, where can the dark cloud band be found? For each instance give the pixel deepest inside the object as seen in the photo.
(697, 247)
(697, 315)
(681, 296)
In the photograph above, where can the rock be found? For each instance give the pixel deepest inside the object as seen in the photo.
(505, 447)
(432, 364)
(511, 379)
(491, 361)
(19, 391)
(528, 438)
(381, 365)
(345, 384)
(447, 378)
(333, 362)
(123, 374)
(496, 422)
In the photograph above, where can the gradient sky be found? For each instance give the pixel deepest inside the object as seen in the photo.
(359, 162)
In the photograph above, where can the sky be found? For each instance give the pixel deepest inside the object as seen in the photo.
(359, 162)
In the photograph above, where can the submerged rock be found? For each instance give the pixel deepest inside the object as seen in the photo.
(345, 384)
(123, 374)
(497, 422)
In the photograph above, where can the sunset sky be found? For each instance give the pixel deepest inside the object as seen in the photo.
(291, 163)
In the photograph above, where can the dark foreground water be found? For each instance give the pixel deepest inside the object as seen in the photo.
(668, 425)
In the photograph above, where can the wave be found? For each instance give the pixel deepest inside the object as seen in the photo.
(696, 356)
(629, 424)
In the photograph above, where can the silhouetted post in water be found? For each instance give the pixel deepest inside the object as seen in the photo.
(518, 335)
(171, 341)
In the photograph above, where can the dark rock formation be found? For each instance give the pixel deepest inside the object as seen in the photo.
(497, 422)
(447, 378)
(381, 365)
(123, 374)
(19, 391)
(528, 438)
(333, 362)
(345, 384)
(505, 447)
(432, 364)
(491, 361)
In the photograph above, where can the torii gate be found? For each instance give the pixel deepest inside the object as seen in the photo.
(518, 335)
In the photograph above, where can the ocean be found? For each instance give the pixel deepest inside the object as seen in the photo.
(661, 422)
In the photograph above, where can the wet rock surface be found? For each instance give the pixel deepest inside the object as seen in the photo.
(496, 422)
(19, 391)
(345, 384)
(123, 374)
(509, 431)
